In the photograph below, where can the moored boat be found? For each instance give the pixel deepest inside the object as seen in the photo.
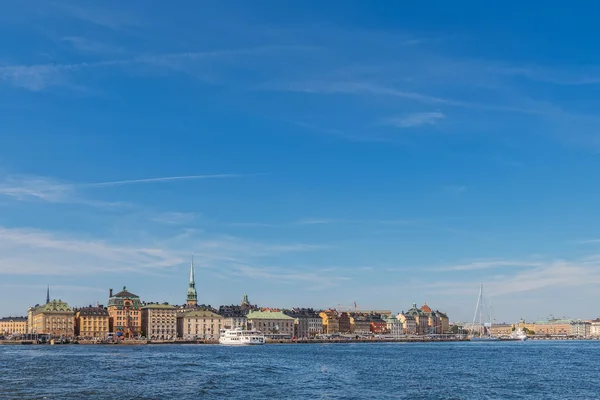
(241, 337)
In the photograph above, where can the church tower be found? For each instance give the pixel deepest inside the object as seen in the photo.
(192, 296)
(48, 294)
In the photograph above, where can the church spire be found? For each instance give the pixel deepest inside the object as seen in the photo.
(48, 294)
(192, 296)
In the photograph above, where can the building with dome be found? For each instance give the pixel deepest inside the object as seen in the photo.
(124, 309)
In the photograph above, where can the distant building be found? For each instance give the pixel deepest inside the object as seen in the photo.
(13, 326)
(235, 316)
(378, 324)
(330, 321)
(55, 318)
(580, 328)
(307, 322)
(501, 329)
(421, 319)
(92, 322)
(344, 322)
(409, 323)
(595, 328)
(552, 327)
(159, 321)
(273, 324)
(360, 324)
(201, 324)
(394, 326)
(124, 309)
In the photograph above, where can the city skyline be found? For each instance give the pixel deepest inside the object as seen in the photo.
(386, 155)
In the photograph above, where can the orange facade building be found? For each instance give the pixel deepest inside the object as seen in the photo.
(124, 309)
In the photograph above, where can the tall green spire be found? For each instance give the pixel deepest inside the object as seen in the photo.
(192, 296)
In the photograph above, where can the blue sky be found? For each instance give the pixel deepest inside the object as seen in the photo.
(309, 154)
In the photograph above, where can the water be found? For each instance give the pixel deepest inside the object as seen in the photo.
(515, 370)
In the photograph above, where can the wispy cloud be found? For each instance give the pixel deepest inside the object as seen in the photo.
(368, 88)
(491, 264)
(84, 45)
(414, 119)
(115, 19)
(39, 76)
(173, 218)
(27, 187)
(163, 179)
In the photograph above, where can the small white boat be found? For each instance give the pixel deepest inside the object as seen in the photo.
(518, 334)
(241, 337)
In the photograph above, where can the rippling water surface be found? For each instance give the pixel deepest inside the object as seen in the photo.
(515, 370)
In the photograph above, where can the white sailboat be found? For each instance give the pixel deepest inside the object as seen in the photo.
(479, 331)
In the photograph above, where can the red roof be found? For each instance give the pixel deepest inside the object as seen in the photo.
(426, 308)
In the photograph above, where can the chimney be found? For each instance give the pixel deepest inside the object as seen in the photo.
(110, 293)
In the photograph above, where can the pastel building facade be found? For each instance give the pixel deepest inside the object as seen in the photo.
(124, 309)
(201, 324)
(13, 326)
(273, 324)
(159, 321)
(55, 319)
(92, 322)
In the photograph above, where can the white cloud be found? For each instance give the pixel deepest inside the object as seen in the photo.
(415, 119)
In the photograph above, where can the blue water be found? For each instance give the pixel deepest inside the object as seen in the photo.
(509, 370)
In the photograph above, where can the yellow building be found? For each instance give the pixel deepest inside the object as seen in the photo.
(201, 324)
(92, 322)
(331, 322)
(54, 318)
(125, 315)
(13, 326)
(499, 330)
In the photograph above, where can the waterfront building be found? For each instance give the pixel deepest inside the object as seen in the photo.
(360, 324)
(201, 324)
(125, 316)
(595, 328)
(394, 326)
(378, 324)
(409, 323)
(92, 322)
(159, 321)
(307, 322)
(13, 326)
(580, 328)
(553, 327)
(55, 318)
(501, 329)
(330, 321)
(421, 319)
(444, 322)
(437, 322)
(344, 323)
(272, 323)
(234, 315)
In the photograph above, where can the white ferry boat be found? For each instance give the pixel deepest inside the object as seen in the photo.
(518, 334)
(241, 337)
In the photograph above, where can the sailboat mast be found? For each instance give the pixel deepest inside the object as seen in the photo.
(477, 309)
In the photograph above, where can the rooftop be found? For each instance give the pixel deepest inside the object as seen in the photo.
(125, 293)
(15, 319)
(159, 307)
(201, 314)
(267, 315)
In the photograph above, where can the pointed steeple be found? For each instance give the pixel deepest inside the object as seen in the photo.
(48, 294)
(192, 296)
